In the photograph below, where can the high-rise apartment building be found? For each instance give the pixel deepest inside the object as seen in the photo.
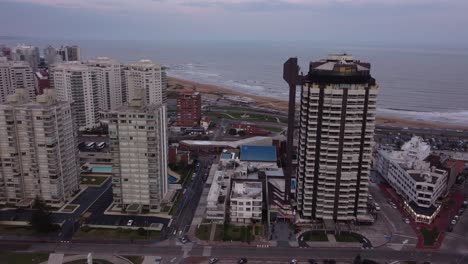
(188, 109)
(337, 119)
(148, 76)
(16, 75)
(77, 83)
(138, 143)
(29, 54)
(70, 53)
(38, 154)
(111, 82)
(51, 56)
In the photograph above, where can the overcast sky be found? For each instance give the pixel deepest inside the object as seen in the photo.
(378, 21)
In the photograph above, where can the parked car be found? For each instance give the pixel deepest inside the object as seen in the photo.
(293, 261)
(242, 261)
(454, 222)
(130, 222)
(312, 261)
(406, 220)
(377, 208)
(394, 206)
(213, 260)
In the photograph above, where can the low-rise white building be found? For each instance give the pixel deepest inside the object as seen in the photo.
(420, 184)
(246, 201)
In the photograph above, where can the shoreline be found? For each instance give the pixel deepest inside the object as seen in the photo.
(383, 119)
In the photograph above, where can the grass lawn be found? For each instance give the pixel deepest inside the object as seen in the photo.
(203, 232)
(315, 236)
(93, 180)
(16, 230)
(246, 117)
(135, 259)
(119, 233)
(23, 258)
(429, 236)
(234, 233)
(84, 261)
(346, 237)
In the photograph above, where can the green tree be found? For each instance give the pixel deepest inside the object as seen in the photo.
(141, 231)
(41, 218)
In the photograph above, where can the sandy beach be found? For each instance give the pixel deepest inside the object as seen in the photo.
(386, 119)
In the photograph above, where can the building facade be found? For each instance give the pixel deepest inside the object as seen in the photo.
(111, 82)
(70, 53)
(148, 76)
(138, 144)
(16, 75)
(188, 109)
(77, 83)
(246, 202)
(29, 54)
(38, 153)
(51, 56)
(337, 119)
(413, 177)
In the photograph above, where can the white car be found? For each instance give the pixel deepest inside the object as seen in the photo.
(377, 208)
(406, 220)
(454, 222)
(130, 222)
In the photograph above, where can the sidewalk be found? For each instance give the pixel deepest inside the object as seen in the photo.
(110, 258)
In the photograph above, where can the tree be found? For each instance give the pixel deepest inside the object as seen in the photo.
(41, 218)
(141, 231)
(357, 259)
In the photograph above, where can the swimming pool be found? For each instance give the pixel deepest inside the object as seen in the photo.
(172, 179)
(100, 169)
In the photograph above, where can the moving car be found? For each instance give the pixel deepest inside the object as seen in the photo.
(242, 261)
(130, 222)
(183, 239)
(213, 260)
(406, 220)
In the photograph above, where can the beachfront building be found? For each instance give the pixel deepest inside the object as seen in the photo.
(38, 154)
(138, 144)
(337, 119)
(16, 75)
(70, 53)
(412, 176)
(51, 56)
(111, 82)
(77, 83)
(148, 76)
(246, 202)
(29, 54)
(188, 109)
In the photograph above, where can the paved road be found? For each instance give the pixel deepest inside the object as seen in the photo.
(186, 210)
(277, 253)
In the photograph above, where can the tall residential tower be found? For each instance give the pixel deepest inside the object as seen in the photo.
(337, 119)
(138, 143)
(150, 77)
(16, 75)
(38, 154)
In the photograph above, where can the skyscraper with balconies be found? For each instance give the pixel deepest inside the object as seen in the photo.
(337, 120)
(138, 143)
(38, 154)
(16, 75)
(148, 76)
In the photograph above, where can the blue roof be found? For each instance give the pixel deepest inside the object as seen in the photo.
(258, 153)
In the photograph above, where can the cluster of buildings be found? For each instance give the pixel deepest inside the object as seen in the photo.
(420, 177)
(242, 186)
(39, 127)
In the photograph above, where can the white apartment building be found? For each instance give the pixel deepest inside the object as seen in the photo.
(77, 83)
(138, 144)
(38, 154)
(29, 54)
(246, 202)
(337, 119)
(218, 196)
(148, 76)
(16, 75)
(420, 184)
(111, 82)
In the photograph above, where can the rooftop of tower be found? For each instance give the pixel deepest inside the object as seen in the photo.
(339, 68)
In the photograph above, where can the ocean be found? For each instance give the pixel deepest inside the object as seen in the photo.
(423, 82)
